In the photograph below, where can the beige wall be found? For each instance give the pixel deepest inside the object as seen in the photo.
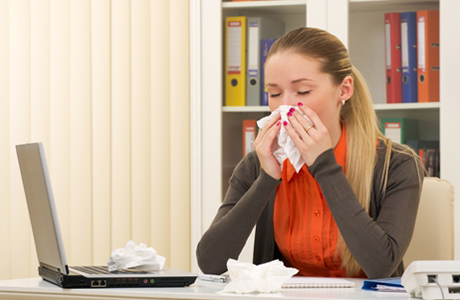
(105, 86)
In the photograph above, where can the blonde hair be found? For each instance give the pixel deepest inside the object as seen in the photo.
(362, 126)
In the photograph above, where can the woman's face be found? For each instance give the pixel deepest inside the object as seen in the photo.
(292, 78)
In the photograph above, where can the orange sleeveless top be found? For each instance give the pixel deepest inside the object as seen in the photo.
(304, 228)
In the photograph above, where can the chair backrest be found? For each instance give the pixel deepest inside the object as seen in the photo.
(433, 237)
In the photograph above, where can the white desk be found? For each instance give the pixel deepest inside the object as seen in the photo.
(36, 288)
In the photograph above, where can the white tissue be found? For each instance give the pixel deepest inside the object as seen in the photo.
(133, 256)
(264, 278)
(286, 147)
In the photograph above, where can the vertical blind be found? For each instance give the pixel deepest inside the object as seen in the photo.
(104, 85)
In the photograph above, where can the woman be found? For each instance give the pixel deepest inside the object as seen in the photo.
(350, 210)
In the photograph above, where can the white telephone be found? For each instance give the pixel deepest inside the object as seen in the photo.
(433, 279)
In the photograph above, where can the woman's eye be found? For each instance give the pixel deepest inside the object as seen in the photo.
(274, 95)
(303, 93)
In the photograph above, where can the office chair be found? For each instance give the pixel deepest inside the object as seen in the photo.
(433, 237)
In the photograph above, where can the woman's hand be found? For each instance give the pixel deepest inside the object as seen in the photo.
(310, 139)
(264, 147)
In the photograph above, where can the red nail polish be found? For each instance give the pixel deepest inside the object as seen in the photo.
(299, 104)
(284, 123)
(278, 124)
(292, 109)
(289, 114)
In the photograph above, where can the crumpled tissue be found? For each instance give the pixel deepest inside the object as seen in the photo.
(134, 256)
(286, 147)
(263, 278)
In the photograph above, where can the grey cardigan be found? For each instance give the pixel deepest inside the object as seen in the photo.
(377, 240)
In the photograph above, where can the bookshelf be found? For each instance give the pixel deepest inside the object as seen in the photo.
(359, 24)
(367, 52)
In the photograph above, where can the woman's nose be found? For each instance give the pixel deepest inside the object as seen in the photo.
(289, 99)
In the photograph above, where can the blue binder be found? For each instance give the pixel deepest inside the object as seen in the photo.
(372, 284)
(265, 45)
(409, 56)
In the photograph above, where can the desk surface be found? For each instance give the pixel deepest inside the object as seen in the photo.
(36, 288)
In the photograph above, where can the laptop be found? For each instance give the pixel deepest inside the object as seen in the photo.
(49, 244)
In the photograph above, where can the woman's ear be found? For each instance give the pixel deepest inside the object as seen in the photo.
(346, 88)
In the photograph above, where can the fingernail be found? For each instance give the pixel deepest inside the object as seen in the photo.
(278, 124)
(284, 123)
(299, 104)
(292, 109)
(289, 114)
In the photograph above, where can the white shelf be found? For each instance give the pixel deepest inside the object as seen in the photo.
(276, 6)
(407, 106)
(377, 107)
(263, 4)
(245, 109)
(355, 5)
(374, 5)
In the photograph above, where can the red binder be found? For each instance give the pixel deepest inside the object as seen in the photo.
(393, 57)
(428, 55)
(249, 135)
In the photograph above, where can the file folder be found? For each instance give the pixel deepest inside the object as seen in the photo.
(265, 45)
(428, 55)
(258, 28)
(385, 284)
(249, 135)
(409, 56)
(235, 61)
(399, 130)
(393, 57)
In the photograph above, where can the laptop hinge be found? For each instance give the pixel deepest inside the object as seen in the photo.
(55, 269)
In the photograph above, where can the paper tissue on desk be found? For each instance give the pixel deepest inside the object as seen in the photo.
(135, 257)
(263, 278)
(286, 147)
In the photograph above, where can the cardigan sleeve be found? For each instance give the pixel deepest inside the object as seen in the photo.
(248, 194)
(378, 243)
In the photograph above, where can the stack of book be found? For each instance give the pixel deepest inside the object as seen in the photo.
(429, 154)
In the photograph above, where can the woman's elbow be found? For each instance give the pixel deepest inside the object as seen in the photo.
(208, 267)
(384, 271)
(209, 264)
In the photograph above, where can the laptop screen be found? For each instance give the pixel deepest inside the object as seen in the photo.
(42, 209)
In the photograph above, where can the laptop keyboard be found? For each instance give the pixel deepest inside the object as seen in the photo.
(105, 270)
(92, 269)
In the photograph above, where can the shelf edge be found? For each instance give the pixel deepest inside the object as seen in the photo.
(377, 107)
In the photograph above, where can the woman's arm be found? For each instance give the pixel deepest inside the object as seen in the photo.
(246, 198)
(378, 243)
